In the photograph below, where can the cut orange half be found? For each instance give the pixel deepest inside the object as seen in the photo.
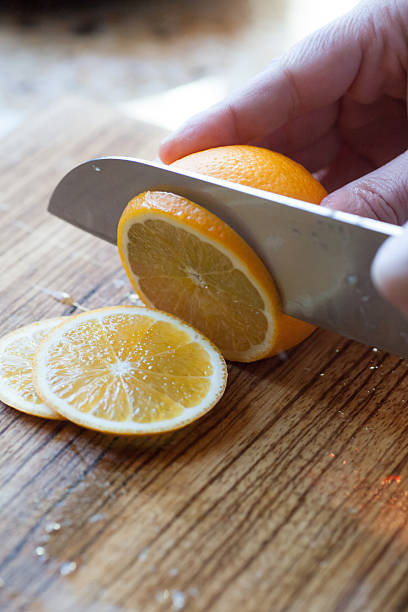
(16, 375)
(129, 370)
(183, 259)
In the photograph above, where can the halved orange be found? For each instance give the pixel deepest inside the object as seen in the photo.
(183, 259)
(129, 370)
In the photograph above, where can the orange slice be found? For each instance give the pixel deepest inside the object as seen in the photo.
(16, 354)
(129, 370)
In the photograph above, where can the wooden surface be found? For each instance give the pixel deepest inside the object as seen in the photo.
(281, 499)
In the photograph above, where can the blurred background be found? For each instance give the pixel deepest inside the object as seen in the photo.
(155, 60)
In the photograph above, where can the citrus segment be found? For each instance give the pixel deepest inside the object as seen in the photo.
(129, 370)
(16, 376)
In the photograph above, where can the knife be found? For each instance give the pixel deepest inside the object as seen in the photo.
(320, 259)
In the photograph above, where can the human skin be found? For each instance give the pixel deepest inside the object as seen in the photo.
(337, 103)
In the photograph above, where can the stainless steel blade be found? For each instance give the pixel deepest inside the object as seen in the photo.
(320, 259)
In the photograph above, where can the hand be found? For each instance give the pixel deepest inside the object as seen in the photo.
(390, 270)
(337, 103)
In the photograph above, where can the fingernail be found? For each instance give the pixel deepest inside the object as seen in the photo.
(335, 201)
(166, 139)
(163, 149)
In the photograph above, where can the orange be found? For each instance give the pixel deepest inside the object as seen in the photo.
(128, 370)
(183, 259)
(256, 167)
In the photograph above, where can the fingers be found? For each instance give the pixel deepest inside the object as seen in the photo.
(382, 194)
(390, 270)
(244, 117)
(348, 166)
(313, 75)
(377, 131)
(321, 152)
(303, 133)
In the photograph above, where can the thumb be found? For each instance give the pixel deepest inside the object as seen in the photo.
(390, 270)
(381, 194)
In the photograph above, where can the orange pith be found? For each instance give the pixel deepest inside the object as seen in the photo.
(183, 259)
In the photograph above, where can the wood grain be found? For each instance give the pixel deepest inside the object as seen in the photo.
(278, 500)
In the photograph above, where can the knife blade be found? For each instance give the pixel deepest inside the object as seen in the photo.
(320, 259)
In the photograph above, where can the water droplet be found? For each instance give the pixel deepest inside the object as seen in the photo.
(50, 527)
(135, 299)
(352, 279)
(143, 554)
(96, 168)
(179, 600)
(96, 517)
(67, 568)
(174, 571)
(162, 595)
(40, 551)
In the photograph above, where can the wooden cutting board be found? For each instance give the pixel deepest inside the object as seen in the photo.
(291, 495)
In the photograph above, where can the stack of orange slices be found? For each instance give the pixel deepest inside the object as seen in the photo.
(135, 370)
